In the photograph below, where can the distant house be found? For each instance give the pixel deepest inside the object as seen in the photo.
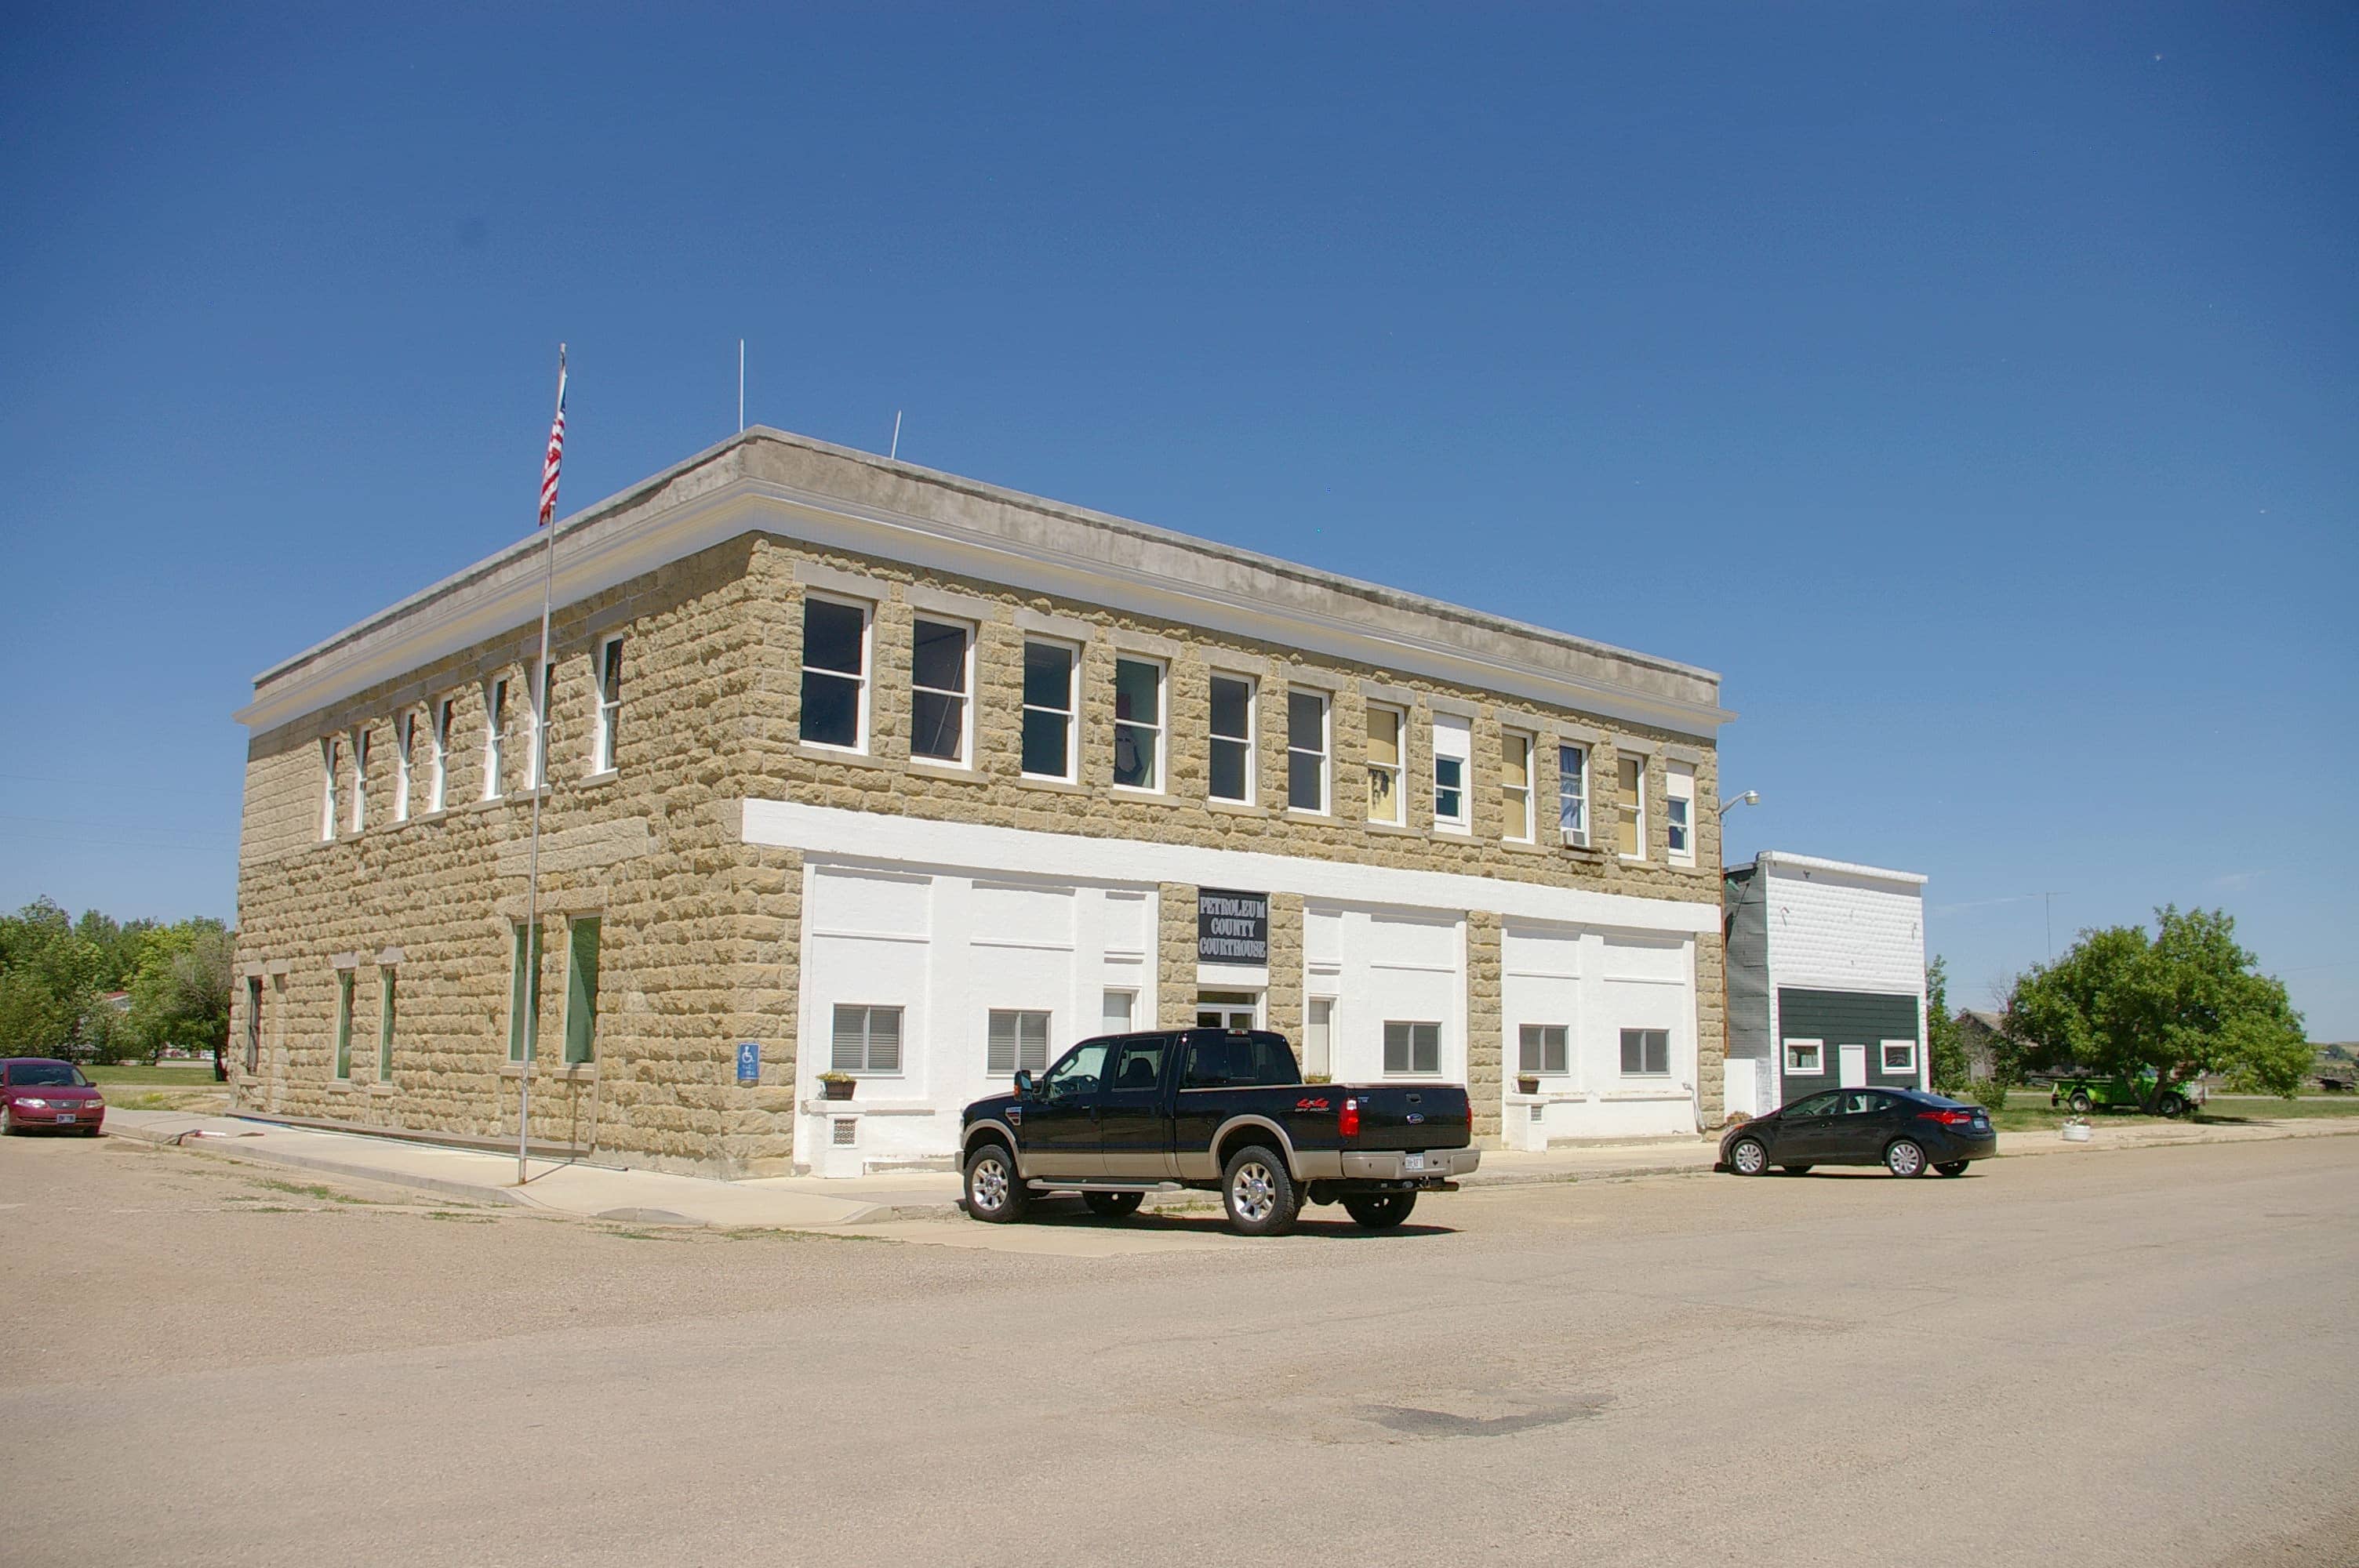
(1981, 1034)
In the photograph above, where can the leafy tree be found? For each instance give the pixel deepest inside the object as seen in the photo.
(1943, 1043)
(49, 982)
(2178, 1004)
(181, 996)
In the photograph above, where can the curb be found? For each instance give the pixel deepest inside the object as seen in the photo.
(435, 1184)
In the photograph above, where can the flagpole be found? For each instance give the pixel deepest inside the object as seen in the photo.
(539, 697)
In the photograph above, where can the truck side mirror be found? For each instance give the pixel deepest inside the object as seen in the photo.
(1024, 1081)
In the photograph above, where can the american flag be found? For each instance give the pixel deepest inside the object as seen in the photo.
(556, 449)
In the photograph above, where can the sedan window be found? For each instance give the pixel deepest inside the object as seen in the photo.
(1865, 1103)
(1817, 1105)
(46, 1075)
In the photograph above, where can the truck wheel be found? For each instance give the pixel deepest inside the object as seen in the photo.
(1905, 1157)
(1379, 1211)
(1114, 1206)
(1749, 1157)
(2077, 1102)
(1260, 1195)
(994, 1193)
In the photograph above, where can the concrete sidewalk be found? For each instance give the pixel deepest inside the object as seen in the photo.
(806, 1203)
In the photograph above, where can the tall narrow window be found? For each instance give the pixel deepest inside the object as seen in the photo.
(1139, 724)
(1541, 1048)
(1412, 1049)
(604, 743)
(540, 696)
(1232, 738)
(835, 674)
(438, 758)
(1646, 1052)
(343, 1025)
(1319, 1035)
(1572, 795)
(1633, 824)
(866, 1040)
(496, 724)
(1048, 670)
(1453, 744)
(331, 760)
(385, 1024)
(1515, 785)
(405, 751)
(523, 990)
(360, 778)
(254, 1023)
(1306, 751)
(1120, 1010)
(1016, 1041)
(1385, 729)
(581, 988)
(938, 680)
(1679, 813)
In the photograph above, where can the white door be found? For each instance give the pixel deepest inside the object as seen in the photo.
(1228, 1009)
(1854, 1066)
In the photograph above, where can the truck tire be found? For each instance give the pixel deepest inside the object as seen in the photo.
(2172, 1105)
(1114, 1206)
(1259, 1194)
(1379, 1211)
(995, 1193)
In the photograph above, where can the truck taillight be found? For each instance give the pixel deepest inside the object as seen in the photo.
(1347, 1121)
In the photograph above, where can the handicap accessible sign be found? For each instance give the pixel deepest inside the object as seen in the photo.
(749, 1061)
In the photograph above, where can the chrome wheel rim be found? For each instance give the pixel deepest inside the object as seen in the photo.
(1905, 1159)
(1750, 1158)
(1254, 1192)
(990, 1187)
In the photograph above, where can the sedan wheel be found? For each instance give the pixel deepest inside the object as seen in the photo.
(1749, 1157)
(1905, 1157)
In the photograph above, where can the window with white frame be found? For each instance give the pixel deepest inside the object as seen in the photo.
(1646, 1052)
(836, 673)
(1412, 1049)
(404, 753)
(360, 778)
(1319, 1035)
(1631, 823)
(1572, 795)
(1139, 724)
(1541, 1048)
(1017, 1042)
(942, 657)
(1899, 1056)
(1805, 1056)
(1306, 751)
(1515, 785)
(1387, 726)
(331, 761)
(1453, 750)
(496, 723)
(438, 759)
(866, 1040)
(1679, 813)
(1049, 673)
(538, 702)
(606, 739)
(1119, 1013)
(1232, 759)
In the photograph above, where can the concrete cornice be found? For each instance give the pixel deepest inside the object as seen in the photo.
(940, 522)
(1777, 860)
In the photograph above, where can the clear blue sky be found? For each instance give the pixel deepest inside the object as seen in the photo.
(1972, 385)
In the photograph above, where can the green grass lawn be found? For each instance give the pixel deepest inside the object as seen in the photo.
(2028, 1111)
(183, 1075)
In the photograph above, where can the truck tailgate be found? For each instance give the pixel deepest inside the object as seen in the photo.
(1410, 1116)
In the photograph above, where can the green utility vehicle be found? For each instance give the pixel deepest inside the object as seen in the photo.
(2083, 1092)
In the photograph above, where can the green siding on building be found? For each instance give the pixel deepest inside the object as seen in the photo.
(1846, 1018)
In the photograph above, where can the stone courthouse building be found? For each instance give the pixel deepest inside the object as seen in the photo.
(856, 769)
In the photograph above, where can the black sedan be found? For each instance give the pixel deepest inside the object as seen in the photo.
(1904, 1130)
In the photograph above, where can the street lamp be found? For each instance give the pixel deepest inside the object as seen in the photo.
(1750, 797)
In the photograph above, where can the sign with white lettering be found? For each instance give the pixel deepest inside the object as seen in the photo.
(749, 1061)
(1232, 927)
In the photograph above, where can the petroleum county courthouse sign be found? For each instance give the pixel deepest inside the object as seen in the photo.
(1232, 927)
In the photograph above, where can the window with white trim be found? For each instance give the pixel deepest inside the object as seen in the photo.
(1899, 1056)
(1017, 1042)
(1385, 727)
(539, 697)
(1119, 1013)
(1515, 785)
(1412, 1049)
(1805, 1056)
(605, 739)
(1541, 1048)
(1319, 1035)
(1631, 823)
(941, 663)
(866, 1040)
(836, 673)
(437, 760)
(360, 778)
(1679, 813)
(1050, 671)
(1233, 761)
(1453, 751)
(1573, 795)
(1646, 1052)
(496, 723)
(343, 1026)
(523, 990)
(1139, 724)
(331, 760)
(384, 1010)
(405, 751)
(1306, 751)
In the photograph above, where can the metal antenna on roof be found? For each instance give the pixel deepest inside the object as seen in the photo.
(895, 455)
(741, 384)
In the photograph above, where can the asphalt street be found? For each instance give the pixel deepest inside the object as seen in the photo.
(2143, 1357)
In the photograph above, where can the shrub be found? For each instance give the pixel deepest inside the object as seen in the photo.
(1989, 1096)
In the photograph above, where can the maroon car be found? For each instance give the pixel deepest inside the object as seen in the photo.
(37, 1092)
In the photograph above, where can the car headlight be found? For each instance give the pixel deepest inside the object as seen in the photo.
(31, 1104)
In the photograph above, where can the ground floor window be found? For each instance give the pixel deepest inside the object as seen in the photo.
(1120, 1011)
(1018, 1042)
(1319, 1035)
(344, 1024)
(1412, 1048)
(1900, 1055)
(1646, 1052)
(581, 988)
(524, 989)
(384, 1025)
(1804, 1056)
(1228, 1009)
(866, 1040)
(254, 1023)
(1541, 1048)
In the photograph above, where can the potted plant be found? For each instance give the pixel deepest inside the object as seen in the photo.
(1528, 1083)
(1318, 1078)
(837, 1086)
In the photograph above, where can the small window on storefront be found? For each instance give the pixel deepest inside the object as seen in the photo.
(1899, 1056)
(1016, 1041)
(1541, 1048)
(1646, 1052)
(1412, 1048)
(866, 1040)
(1804, 1056)
(1317, 1035)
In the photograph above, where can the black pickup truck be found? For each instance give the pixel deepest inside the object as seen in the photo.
(1123, 1115)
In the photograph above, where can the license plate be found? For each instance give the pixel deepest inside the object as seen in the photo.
(1413, 1162)
(64, 1120)
(1982, 1124)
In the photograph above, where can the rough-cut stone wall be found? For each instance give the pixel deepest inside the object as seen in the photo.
(1485, 1023)
(1284, 1009)
(1175, 949)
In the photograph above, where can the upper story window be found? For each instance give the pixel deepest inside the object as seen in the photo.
(1454, 745)
(1233, 767)
(836, 673)
(537, 716)
(1386, 727)
(496, 724)
(1306, 751)
(1139, 724)
(940, 657)
(1572, 795)
(438, 758)
(331, 761)
(606, 739)
(1633, 825)
(1515, 785)
(1050, 669)
(360, 778)
(404, 753)
(1679, 813)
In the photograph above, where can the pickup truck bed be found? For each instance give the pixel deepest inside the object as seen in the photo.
(1217, 1109)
